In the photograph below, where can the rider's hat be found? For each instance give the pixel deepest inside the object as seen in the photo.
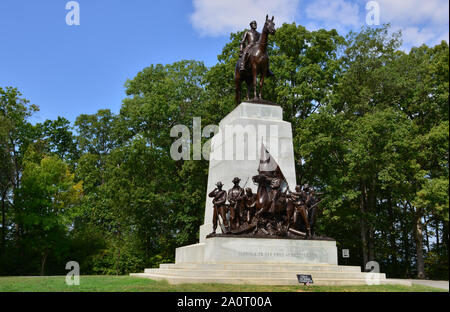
(236, 180)
(219, 184)
(253, 22)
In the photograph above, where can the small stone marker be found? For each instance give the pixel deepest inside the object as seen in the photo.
(345, 253)
(305, 279)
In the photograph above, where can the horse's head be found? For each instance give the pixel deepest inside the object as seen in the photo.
(270, 25)
(259, 179)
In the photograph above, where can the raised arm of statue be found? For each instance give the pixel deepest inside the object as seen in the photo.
(221, 198)
(213, 193)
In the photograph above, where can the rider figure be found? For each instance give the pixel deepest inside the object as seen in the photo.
(249, 39)
(275, 185)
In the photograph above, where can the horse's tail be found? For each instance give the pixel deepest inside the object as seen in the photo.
(237, 80)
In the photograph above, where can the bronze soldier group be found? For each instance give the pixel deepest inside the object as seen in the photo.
(242, 216)
(239, 210)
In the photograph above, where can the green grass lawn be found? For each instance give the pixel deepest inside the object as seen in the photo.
(134, 284)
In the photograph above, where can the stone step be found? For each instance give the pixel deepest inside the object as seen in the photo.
(262, 267)
(262, 281)
(260, 274)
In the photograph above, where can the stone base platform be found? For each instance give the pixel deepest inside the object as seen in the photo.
(262, 262)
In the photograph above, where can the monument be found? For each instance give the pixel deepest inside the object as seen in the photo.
(259, 224)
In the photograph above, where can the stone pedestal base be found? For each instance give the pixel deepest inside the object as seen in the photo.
(258, 250)
(262, 261)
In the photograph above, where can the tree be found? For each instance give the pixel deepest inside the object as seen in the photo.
(45, 198)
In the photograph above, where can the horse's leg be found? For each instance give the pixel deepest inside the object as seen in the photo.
(261, 82)
(254, 76)
(238, 87)
(249, 87)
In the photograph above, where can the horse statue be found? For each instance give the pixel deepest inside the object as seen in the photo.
(257, 64)
(265, 201)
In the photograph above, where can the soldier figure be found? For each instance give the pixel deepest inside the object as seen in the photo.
(311, 203)
(297, 196)
(236, 202)
(220, 198)
(275, 185)
(249, 204)
(299, 200)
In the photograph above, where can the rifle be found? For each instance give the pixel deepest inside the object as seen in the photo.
(315, 204)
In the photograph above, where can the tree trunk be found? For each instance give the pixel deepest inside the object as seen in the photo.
(117, 263)
(44, 258)
(3, 238)
(393, 245)
(418, 229)
(444, 238)
(437, 235)
(427, 240)
(371, 245)
(362, 207)
(371, 208)
(406, 241)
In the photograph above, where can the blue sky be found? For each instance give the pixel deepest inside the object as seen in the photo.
(70, 70)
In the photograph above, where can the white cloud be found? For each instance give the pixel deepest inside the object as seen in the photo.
(414, 11)
(420, 21)
(338, 14)
(220, 17)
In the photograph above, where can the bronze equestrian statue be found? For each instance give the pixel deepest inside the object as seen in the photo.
(253, 60)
